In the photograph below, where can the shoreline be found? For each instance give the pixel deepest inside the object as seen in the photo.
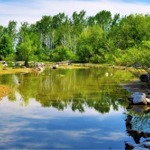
(16, 70)
(10, 70)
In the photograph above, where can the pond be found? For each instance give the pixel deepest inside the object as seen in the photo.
(67, 109)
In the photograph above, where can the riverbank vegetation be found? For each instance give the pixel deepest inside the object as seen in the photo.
(102, 38)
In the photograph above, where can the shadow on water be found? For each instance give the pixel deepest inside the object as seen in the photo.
(78, 89)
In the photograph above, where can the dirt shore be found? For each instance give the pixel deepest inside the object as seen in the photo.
(4, 90)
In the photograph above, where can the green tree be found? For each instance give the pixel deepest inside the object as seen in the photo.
(78, 22)
(7, 40)
(12, 32)
(90, 44)
(26, 46)
(91, 21)
(6, 47)
(62, 53)
(131, 31)
(104, 19)
(26, 50)
(45, 34)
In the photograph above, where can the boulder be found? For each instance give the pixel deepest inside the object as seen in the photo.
(55, 66)
(145, 77)
(40, 69)
(138, 98)
(148, 101)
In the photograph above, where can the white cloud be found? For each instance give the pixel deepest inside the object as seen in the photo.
(113, 136)
(31, 11)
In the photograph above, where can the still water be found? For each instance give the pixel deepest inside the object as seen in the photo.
(67, 109)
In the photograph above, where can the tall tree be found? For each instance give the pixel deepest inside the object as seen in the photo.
(26, 50)
(8, 37)
(12, 32)
(104, 19)
(78, 22)
(90, 44)
(6, 46)
(44, 28)
(25, 47)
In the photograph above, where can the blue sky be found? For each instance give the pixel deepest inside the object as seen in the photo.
(32, 10)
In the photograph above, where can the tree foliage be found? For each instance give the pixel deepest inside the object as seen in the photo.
(102, 38)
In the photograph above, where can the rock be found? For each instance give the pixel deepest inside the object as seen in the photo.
(4, 63)
(39, 64)
(148, 91)
(138, 98)
(141, 146)
(145, 78)
(55, 66)
(39, 69)
(148, 100)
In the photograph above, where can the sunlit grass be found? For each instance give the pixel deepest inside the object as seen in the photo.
(16, 70)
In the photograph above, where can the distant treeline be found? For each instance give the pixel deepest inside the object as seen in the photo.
(102, 38)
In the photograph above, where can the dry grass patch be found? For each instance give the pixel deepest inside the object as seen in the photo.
(17, 70)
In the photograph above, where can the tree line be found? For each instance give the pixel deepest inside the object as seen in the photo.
(103, 38)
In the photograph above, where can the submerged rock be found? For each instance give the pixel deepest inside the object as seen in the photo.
(138, 109)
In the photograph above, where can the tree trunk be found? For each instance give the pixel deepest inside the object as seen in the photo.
(26, 63)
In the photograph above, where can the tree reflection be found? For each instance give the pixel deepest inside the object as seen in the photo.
(138, 124)
(97, 88)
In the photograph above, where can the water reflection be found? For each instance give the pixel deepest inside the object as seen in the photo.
(47, 128)
(97, 88)
(138, 126)
(75, 109)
